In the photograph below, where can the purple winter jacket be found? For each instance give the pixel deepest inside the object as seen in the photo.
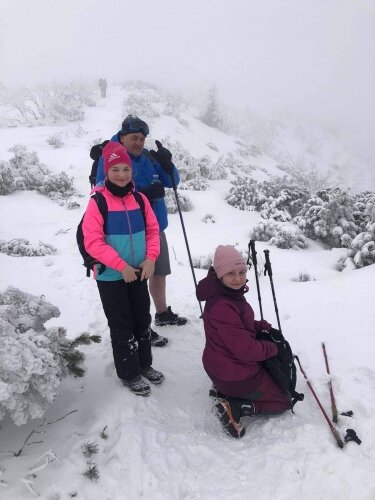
(232, 353)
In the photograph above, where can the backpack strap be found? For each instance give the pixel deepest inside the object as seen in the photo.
(103, 209)
(141, 202)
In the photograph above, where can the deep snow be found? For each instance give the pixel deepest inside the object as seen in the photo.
(171, 446)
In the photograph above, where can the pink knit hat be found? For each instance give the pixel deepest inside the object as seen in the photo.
(227, 259)
(113, 154)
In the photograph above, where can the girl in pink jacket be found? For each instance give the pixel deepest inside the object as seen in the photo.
(127, 244)
(232, 356)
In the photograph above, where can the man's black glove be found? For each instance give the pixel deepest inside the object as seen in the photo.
(153, 191)
(163, 156)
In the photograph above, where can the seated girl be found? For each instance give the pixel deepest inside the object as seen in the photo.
(232, 355)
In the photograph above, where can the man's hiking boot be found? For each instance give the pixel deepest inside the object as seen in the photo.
(138, 386)
(169, 318)
(157, 340)
(152, 375)
(230, 423)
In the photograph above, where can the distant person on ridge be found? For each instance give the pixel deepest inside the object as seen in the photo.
(152, 171)
(127, 243)
(103, 87)
(233, 353)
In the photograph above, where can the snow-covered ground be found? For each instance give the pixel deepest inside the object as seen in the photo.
(170, 446)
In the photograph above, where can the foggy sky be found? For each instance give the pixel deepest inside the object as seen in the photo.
(313, 56)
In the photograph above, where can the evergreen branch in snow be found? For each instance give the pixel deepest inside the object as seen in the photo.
(92, 473)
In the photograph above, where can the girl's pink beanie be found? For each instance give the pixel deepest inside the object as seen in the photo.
(227, 259)
(113, 154)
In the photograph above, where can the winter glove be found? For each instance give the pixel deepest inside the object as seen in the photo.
(163, 156)
(263, 325)
(154, 191)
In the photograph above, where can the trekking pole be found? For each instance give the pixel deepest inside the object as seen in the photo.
(185, 236)
(333, 402)
(331, 426)
(348, 413)
(268, 270)
(251, 248)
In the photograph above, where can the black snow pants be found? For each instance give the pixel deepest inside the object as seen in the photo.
(127, 308)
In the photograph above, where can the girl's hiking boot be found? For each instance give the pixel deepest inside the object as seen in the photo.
(138, 386)
(152, 375)
(157, 340)
(215, 394)
(231, 424)
(169, 318)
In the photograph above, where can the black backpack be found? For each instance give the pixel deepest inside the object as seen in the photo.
(282, 368)
(88, 261)
(95, 154)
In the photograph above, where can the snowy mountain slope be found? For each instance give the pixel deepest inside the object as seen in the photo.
(171, 446)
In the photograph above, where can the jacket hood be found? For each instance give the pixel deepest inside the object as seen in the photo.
(211, 286)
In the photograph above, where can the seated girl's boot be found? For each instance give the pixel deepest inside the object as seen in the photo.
(230, 420)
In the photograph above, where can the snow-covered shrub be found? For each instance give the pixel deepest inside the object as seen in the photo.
(33, 359)
(279, 199)
(303, 276)
(327, 216)
(361, 249)
(20, 247)
(209, 219)
(202, 262)
(55, 141)
(225, 164)
(24, 172)
(46, 104)
(364, 209)
(264, 231)
(286, 237)
(58, 186)
(195, 184)
(170, 202)
(243, 195)
(205, 165)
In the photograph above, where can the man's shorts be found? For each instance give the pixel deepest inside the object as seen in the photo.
(162, 264)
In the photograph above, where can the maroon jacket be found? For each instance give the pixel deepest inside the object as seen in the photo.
(232, 353)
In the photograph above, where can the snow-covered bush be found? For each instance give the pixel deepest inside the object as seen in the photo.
(279, 199)
(46, 104)
(202, 262)
(55, 141)
(20, 247)
(364, 209)
(243, 195)
(264, 231)
(286, 237)
(170, 202)
(361, 249)
(24, 172)
(327, 216)
(209, 219)
(195, 184)
(206, 166)
(303, 276)
(33, 359)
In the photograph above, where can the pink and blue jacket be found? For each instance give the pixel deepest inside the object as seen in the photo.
(124, 240)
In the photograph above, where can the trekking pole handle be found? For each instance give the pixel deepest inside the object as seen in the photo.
(253, 252)
(267, 266)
